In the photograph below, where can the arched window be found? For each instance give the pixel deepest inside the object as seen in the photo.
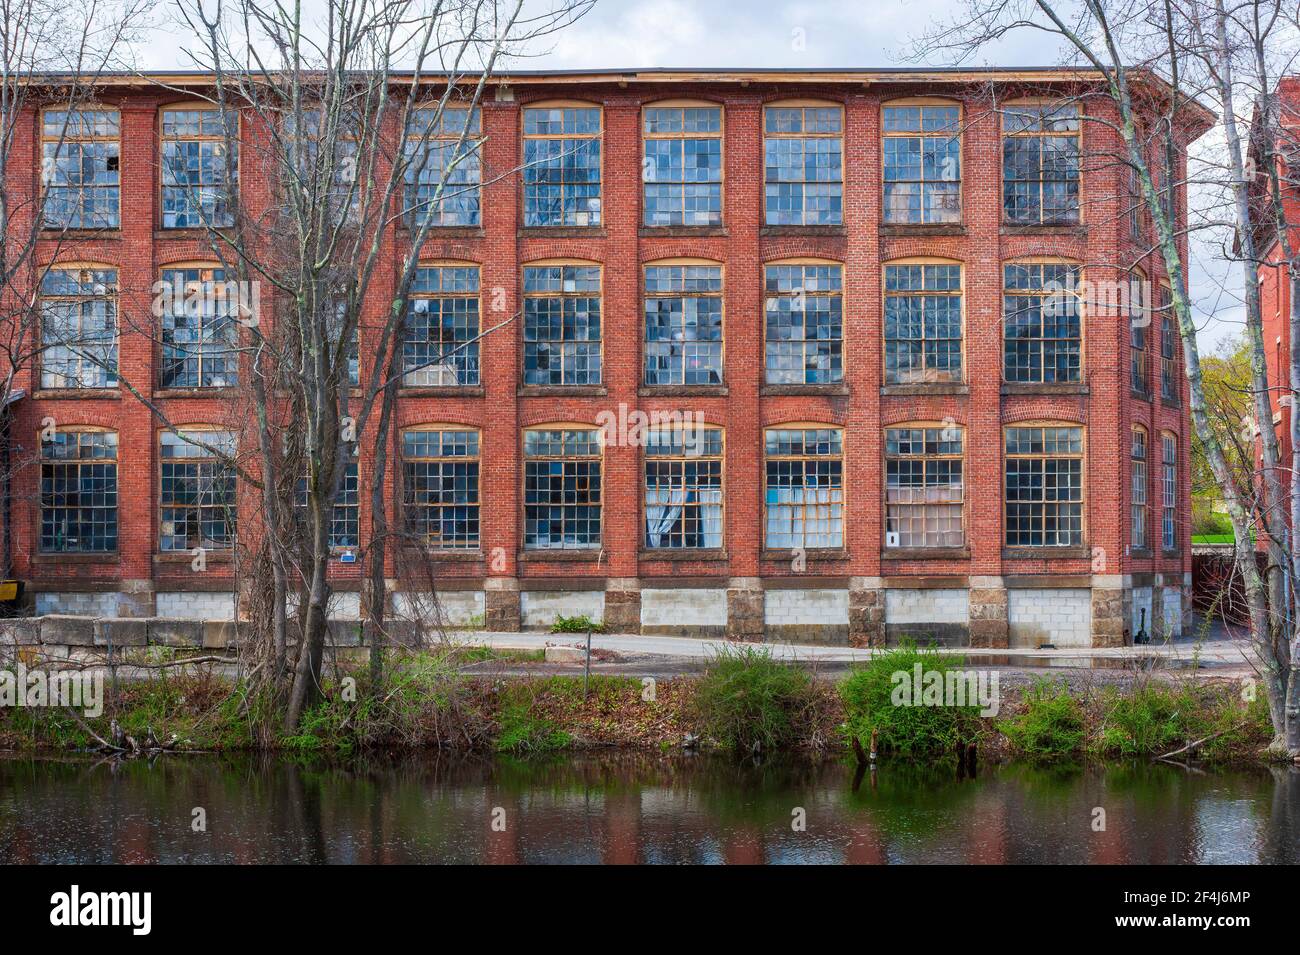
(78, 314)
(924, 487)
(1168, 491)
(922, 161)
(562, 487)
(198, 176)
(683, 322)
(683, 487)
(443, 172)
(79, 491)
(197, 489)
(562, 323)
(1044, 485)
(1041, 147)
(683, 164)
(1042, 322)
(562, 164)
(1138, 499)
(440, 336)
(803, 146)
(81, 168)
(200, 333)
(804, 489)
(440, 485)
(923, 322)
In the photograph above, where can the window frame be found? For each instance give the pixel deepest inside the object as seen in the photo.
(802, 104)
(842, 458)
(163, 139)
(662, 552)
(300, 502)
(886, 294)
(1139, 466)
(1079, 305)
(1082, 457)
(204, 267)
(524, 295)
(683, 137)
(645, 297)
(803, 262)
(403, 486)
(562, 426)
(79, 463)
(409, 217)
(64, 138)
(1139, 357)
(112, 296)
(922, 102)
(525, 136)
(413, 296)
(160, 507)
(1170, 346)
(1168, 492)
(886, 458)
(1040, 105)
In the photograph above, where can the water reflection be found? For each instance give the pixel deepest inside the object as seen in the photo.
(638, 808)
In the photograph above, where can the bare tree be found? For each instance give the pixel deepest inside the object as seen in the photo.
(1157, 61)
(363, 125)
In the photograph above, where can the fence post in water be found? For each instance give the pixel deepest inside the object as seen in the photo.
(586, 670)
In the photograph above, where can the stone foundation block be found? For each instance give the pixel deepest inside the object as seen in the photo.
(622, 606)
(121, 632)
(501, 610)
(69, 631)
(745, 612)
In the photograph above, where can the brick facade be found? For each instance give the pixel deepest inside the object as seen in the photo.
(862, 592)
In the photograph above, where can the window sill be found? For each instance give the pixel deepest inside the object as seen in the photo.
(1141, 396)
(814, 554)
(1044, 388)
(683, 231)
(1045, 553)
(77, 557)
(1170, 402)
(100, 394)
(545, 556)
(1063, 228)
(1140, 553)
(936, 388)
(224, 391)
(445, 232)
(682, 391)
(1171, 555)
(561, 232)
(190, 233)
(806, 230)
(838, 388)
(683, 553)
(921, 228)
(442, 391)
(562, 391)
(925, 553)
(444, 556)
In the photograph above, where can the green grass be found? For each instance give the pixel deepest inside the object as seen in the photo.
(1213, 538)
(745, 699)
(868, 696)
(1051, 725)
(579, 624)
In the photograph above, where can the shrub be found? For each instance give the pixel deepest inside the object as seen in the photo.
(746, 698)
(868, 696)
(1050, 725)
(579, 624)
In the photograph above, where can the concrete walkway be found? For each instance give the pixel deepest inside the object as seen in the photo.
(1223, 652)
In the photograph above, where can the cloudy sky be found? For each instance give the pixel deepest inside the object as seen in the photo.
(795, 34)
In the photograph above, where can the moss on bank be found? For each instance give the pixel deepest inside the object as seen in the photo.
(744, 700)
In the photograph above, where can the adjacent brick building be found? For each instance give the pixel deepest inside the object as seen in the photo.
(843, 284)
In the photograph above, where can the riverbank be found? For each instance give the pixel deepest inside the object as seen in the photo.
(474, 699)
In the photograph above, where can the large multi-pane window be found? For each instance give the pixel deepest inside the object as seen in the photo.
(1139, 323)
(562, 493)
(1138, 483)
(923, 323)
(804, 488)
(322, 176)
(1040, 164)
(1042, 327)
(924, 490)
(345, 516)
(804, 308)
(683, 324)
(683, 165)
(1044, 486)
(78, 309)
(562, 325)
(1168, 491)
(683, 488)
(198, 176)
(803, 149)
(440, 336)
(922, 159)
(200, 332)
(197, 490)
(440, 487)
(79, 492)
(81, 168)
(562, 166)
(1168, 344)
(443, 172)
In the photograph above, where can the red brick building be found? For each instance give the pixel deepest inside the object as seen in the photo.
(847, 285)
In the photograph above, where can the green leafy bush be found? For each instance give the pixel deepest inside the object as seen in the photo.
(1050, 725)
(746, 698)
(579, 624)
(904, 729)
